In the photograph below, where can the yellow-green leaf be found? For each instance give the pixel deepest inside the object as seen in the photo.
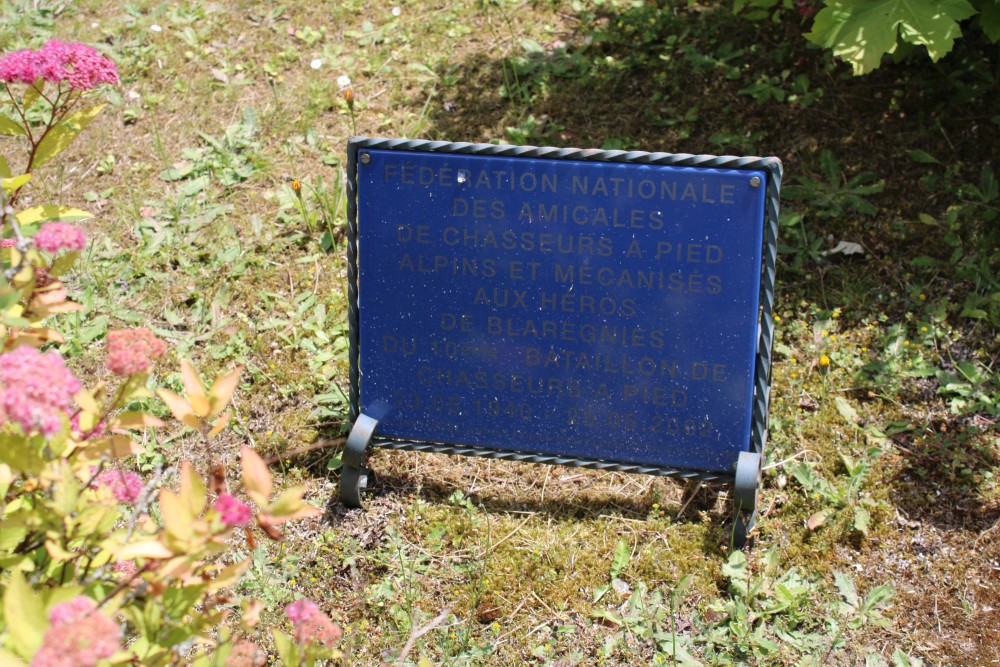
(176, 517)
(51, 213)
(134, 389)
(112, 446)
(149, 549)
(195, 389)
(179, 408)
(86, 401)
(10, 660)
(63, 263)
(289, 502)
(12, 184)
(6, 479)
(288, 651)
(58, 138)
(193, 493)
(33, 92)
(24, 615)
(229, 576)
(4, 167)
(9, 127)
(136, 419)
(222, 392)
(256, 477)
(220, 424)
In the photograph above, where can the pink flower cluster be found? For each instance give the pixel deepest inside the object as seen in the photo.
(245, 654)
(310, 624)
(55, 236)
(130, 351)
(232, 511)
(126, 486)
(79, 636)
(81, 66)
(36, 389)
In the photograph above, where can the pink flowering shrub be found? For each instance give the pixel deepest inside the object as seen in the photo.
(83, 527)
(232, 512)
(131, 351)
(36, 389)
(78, 636)
(126, 486)
(313, 634)
(54, 237)
(245, 654)
(81, 67)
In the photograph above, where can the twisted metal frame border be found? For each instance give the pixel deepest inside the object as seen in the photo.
(762, 372)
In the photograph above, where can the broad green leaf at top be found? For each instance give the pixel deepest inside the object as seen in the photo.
(862, 31)
(51, 213)
(61, 136)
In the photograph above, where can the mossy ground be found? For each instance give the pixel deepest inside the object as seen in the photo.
(220, 263)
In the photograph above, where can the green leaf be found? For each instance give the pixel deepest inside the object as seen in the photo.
(58, 138)
(989, 19)
(923, 157)
(862, 31)
(20, 453)
(900, 659)
(287, 650)
(879, 596)
(179, 601)
(4, 168)
(608, 615)
(846, 410)
(622, 553)
(50, 213)
(10, 127)
(63, 263)
(735, 568)
(862, 519)
(847, 589)
(24, 616)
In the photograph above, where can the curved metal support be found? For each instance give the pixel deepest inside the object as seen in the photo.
(746, 489)
(354, 476)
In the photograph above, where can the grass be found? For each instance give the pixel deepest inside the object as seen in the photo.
(201, 236)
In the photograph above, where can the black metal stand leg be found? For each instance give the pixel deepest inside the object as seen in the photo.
(354, 476)
(745, 494)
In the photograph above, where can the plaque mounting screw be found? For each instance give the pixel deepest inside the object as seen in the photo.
(754, 182)
(367, 157)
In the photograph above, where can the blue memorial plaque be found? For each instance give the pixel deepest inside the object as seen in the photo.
(601, 309)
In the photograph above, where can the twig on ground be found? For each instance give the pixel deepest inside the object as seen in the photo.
(420, 632)
(322, 444)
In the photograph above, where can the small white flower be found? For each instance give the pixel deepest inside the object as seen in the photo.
(344, 81)
(155, 28)
(316, 63)
(397, 10)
